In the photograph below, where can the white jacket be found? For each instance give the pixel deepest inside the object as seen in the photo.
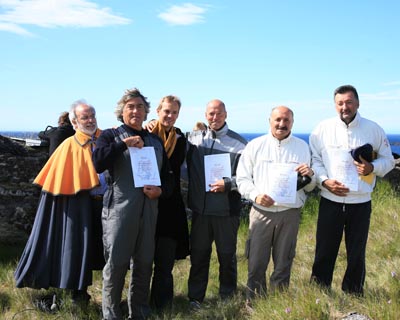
(257, 161)
(333, 136)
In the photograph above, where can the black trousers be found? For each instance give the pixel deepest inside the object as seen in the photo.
(333, 219)
(162, 288)
(205, 230)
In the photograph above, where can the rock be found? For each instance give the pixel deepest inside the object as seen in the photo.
(7, 146)
(355, 316)
(19, 165)
(394, 176)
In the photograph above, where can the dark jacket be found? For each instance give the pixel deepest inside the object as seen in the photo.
(172, 220)
(56, 135)
(111, 152)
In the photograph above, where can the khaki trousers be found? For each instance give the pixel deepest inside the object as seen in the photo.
(271, 233)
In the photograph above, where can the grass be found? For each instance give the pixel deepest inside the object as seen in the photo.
(301, 301)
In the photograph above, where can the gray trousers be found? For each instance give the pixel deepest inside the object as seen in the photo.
(128, 238)
(270, 233)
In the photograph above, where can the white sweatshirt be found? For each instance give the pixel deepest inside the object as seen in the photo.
(332, 136)
(259, 158)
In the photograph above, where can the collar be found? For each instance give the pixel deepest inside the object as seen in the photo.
(354, 123)
(83, 139)
(280, 142)
(132, 131)
(221, 131)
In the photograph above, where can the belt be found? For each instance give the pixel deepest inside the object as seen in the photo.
(97, 197)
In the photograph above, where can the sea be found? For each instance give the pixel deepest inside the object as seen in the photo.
(394, 139)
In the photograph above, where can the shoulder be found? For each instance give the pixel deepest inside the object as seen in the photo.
(66, 128)
(300, 147)
(236, 136)
(64, 131)
(259, 140)
(325, 125)
(299, 141)
(180, 135)
(50, 128)
(48, 131)
(154, 137)
(369, 124)
(108, 133)
(256, 144)
(179, 131)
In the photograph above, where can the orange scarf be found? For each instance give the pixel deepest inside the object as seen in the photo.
(170, 142)
(70, 168)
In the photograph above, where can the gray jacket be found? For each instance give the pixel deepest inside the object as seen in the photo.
(202, 143)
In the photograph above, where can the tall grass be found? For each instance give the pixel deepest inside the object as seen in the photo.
(301, 301)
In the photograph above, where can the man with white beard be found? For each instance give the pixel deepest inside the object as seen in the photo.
(65, 243)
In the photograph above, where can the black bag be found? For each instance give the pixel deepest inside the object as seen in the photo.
(302, 181)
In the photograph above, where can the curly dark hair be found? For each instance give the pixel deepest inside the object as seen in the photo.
(129, 94)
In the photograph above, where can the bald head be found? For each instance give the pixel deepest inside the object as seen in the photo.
(216, 114)
(281, 122)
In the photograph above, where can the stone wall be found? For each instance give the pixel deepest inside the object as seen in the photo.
(19, 165)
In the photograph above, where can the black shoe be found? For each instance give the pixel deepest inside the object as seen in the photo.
(80, 297)
(194, 305)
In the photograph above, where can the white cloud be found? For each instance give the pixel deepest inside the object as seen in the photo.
(14, 28)
(392, 95)
(391, 83)
(185, 14)
(55, 13)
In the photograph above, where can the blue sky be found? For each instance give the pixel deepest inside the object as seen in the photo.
(253, 55)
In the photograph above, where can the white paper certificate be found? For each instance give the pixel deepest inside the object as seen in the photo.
(282, 182)
(216, 166)
(343, 169)
(144, 167)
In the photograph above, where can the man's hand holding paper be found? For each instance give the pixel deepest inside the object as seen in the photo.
(216, 166)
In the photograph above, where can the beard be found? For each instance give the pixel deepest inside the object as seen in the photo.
(86, 130)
